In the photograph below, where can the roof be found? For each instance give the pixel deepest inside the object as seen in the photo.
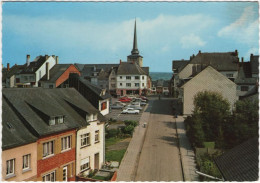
(56, 71)
(226, 61)
(34, 65)
(98, 91)
(254, 60)
(146, 70)
(178, 65)
(211, 70)
(37, 105)
(16, 69)
(129, 68)
(14, 132)
(242, 79)
(241, 162)
(88, 69)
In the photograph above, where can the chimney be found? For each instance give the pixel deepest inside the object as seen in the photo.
(46, 57)
(236, 53)
(8, 66)
(120, 61)
(193, 56)
(190, 58)
(251, 56)
(199, 52)
(57, 60)
(28, 60)
(242, 59)
(47, 71)
(53, 56)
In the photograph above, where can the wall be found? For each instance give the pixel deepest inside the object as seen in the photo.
(59, 159)
(65, 75)
(18, 154)
(42, 69)
(210, 80)
(235, 73)
(106, 111)
(185, 72)
(132, 81)
(242, 93)
(93, 148)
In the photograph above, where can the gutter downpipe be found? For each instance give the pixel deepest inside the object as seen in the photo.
(209, 176)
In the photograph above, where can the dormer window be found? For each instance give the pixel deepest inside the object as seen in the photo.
(91, 117)
(56, 120)
(94, 117)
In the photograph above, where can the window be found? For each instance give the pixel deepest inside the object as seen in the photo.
(26, 161)
(128, 84)
(25, 78)
(65, 143)
(120, 84)
(103, 106)
(113, 85)
(137, 77)
(50, 86)
(49, 177)
(85, 139)
(10, 167)
(244, 88)
(128, 77)
(229, 75)
(137, 84)
(48, 148)
(142, 84)
(121, 77)
(56, 120)
(142, 77)
(97, 136)
(84, 164)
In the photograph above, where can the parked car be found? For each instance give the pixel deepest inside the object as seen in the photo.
(144, 98)
(117, 106)
(131, 96)
(130, 111)
(136, 103)
(135, 107)
(120, 103)
(143, 103)
(139, 100)
(124, 100)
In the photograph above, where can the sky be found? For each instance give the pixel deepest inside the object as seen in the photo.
(102, 32)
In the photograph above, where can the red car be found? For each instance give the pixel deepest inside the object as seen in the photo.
(125, 100)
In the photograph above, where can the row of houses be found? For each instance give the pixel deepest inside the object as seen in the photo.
(50, 135)
(220, 72)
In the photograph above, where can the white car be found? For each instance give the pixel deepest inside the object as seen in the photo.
(130, 111)
(120, 103)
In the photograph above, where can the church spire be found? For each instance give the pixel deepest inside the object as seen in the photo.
(135, 49)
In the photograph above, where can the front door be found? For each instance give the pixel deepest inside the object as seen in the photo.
(96, 161)
(65, 173)
(122, 92)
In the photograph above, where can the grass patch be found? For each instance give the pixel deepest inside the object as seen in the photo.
(115, 155)
(101, 178)
(209, 144)
(112, 141)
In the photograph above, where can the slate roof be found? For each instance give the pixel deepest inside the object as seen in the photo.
(241, 162)
(242, 79)
(128, 68)
(14, 132)
(146, 70)
(95, 89)
(34, 65)
(56, 71)
(226, 61)
(16, 69)
(254, 60)
(88, 69)
(178, 65)
(37, 105)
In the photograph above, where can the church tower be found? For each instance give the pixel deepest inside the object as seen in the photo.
(135, 57)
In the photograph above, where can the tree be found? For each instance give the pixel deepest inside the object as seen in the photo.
(210, 114)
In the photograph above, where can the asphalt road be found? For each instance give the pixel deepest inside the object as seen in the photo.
(160, 159)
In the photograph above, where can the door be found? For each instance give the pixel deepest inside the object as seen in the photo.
(96, 161)
(122, 93)
(65, 173)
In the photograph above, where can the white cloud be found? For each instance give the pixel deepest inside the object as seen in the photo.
(244, 29)
(160, 33)
(190, 41)
(254, 51)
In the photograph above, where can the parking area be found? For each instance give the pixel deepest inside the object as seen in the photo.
(116, 114)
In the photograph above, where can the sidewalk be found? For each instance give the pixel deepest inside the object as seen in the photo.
(129, 163)
(187, 154)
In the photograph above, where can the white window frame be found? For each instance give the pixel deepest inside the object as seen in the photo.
(85, 164)
(85, 139)
(10, 167)
(96, 136)
(66, 143)
(128, 84)
(128, 78)
(48, 149)
(26, 162)
(137, 84)
(49, 176)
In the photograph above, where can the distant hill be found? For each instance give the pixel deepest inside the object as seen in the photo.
(160, 75)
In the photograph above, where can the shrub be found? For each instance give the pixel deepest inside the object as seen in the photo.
(131, 122)
(128, 129)
(112, 133)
